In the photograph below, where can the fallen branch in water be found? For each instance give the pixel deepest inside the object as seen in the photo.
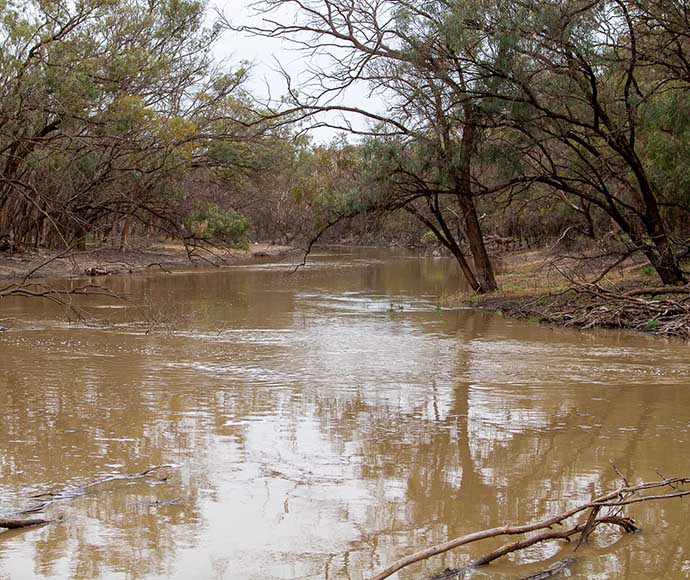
(13, 524)
(603, 510)
(663, 311)
(64, 297)
(46, 499)
(553, 570)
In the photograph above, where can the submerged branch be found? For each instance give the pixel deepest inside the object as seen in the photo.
(612, 502)
(46, 499)
(553, 570)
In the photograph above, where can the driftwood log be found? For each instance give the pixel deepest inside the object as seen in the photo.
(14, 524)
(607, 509)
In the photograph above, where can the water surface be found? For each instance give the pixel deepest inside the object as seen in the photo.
(324, 424)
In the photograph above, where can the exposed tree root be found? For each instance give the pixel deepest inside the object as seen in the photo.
(603, 510)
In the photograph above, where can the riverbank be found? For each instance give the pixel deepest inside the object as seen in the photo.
(533, 285)
(100, 261)
(546, 291)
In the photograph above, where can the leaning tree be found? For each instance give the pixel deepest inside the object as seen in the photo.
(577, 86)
(423, 100)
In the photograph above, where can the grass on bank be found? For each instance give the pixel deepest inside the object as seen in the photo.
(519, 275)
(533, 274)
(537, 287)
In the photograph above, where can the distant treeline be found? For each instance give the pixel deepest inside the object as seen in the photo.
(509, 121)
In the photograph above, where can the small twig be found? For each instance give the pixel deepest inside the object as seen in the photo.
(663, 477)
(589, 527)
(615, 468)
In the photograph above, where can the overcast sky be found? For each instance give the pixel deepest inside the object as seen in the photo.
(262, 53)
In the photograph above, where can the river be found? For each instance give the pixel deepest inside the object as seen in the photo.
(323, 424)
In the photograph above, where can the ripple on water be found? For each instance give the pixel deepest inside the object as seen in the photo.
(320, 426)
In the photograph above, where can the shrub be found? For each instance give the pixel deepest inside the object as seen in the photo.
(217, 224)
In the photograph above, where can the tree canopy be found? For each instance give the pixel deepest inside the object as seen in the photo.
(564, 120)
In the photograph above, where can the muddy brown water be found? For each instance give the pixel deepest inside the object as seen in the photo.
(324, 424)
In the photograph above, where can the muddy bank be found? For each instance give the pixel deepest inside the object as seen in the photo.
(530, 290)
(106, 261)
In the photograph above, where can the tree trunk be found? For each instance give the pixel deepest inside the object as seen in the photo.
(124, 237)
(450, 243)
(482, 264)
(659, 252)
(665, 264)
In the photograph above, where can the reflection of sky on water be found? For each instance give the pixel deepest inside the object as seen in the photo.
(326, 423)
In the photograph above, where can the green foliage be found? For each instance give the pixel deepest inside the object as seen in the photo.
(125, 115)
(429, 237)
(211, 222)
(330, 177)
(107, 111)
(665, 138)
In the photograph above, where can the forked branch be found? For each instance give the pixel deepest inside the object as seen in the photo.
(605, 509)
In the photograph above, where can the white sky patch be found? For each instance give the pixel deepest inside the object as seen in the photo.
(267, 55)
